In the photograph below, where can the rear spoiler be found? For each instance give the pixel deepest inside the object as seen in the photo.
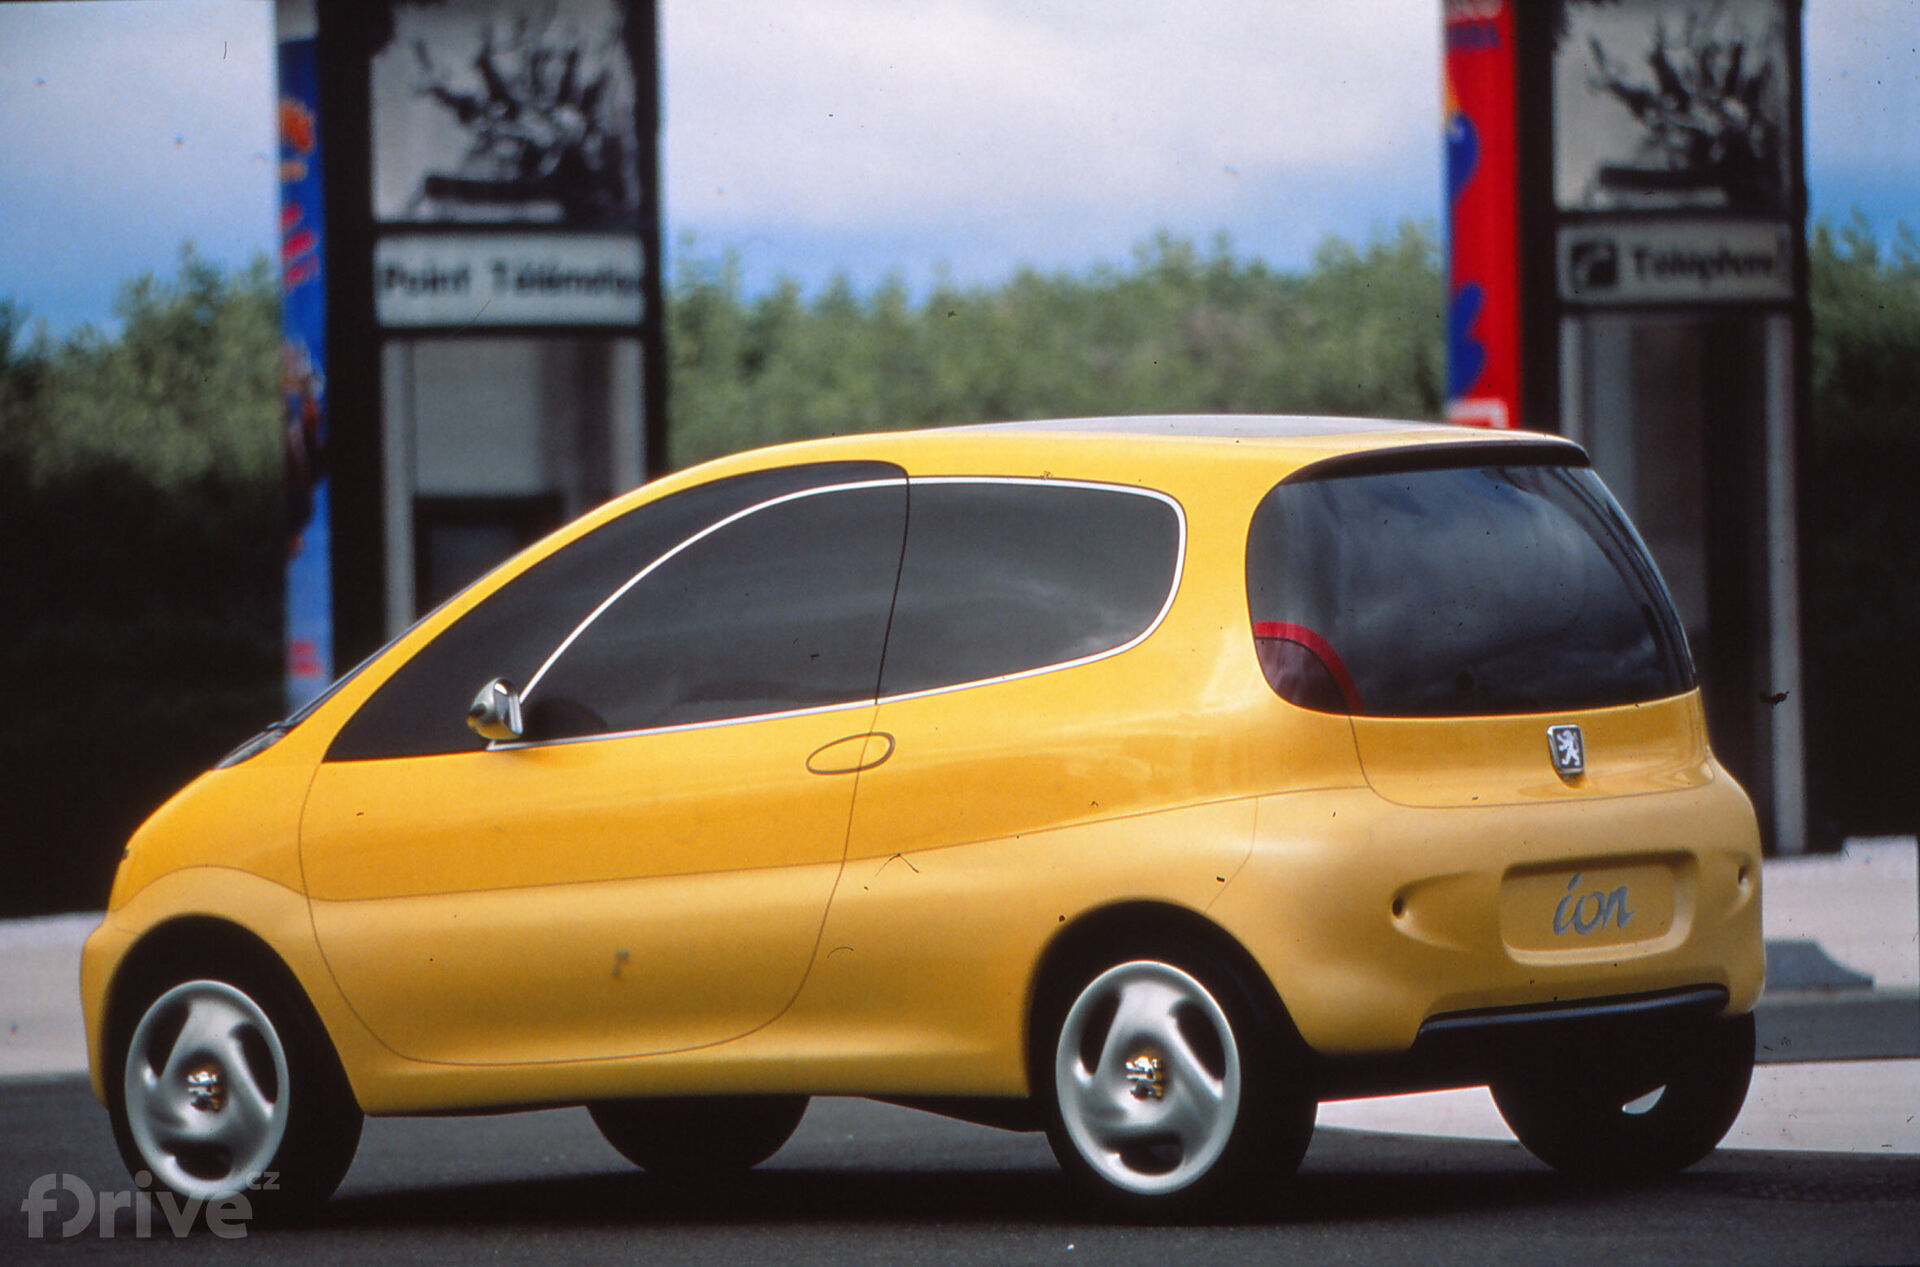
(1540, 451)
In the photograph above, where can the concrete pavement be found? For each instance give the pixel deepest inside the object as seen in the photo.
(1839, 1026)
(40, 1027)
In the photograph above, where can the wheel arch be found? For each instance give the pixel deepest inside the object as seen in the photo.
(184, 947)
(290, 1151)
(1097, 937)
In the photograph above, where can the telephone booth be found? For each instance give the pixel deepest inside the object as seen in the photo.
(1627, 267)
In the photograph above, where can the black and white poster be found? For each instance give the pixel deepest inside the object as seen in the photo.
(1671, 105)
(506, 112)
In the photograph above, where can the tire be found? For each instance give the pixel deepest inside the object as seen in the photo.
(1166, 1088)
(225, 1086)
(701, 1136)
(1594, 1120)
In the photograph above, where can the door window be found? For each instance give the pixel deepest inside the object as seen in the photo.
(778, 609)
(421, 709)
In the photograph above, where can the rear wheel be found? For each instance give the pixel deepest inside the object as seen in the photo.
(1597, 1120)
(699, 1136)
(1167, 1094)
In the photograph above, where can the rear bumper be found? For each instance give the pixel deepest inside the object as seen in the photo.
(1472, 1048)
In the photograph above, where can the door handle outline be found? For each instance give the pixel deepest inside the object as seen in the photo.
(874, 747)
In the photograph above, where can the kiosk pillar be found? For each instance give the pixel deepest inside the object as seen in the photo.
(1627, 268)
(479, 334)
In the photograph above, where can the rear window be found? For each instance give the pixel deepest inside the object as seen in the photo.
(1458, 591)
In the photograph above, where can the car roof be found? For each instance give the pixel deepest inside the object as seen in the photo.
(1204, 426)
(1278, 443)
(1180, 454)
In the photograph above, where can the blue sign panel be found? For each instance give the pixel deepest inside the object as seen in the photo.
(303, 377)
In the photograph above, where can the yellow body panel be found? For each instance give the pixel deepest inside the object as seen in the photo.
(856, 899)
(559, 901)
(272, 912)
(1637, 749)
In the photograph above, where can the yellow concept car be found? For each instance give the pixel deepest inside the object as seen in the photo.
(1145, 781)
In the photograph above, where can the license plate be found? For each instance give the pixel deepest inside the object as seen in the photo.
(1580, 908)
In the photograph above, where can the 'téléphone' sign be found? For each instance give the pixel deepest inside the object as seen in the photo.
(485, 279)
(1675, 261)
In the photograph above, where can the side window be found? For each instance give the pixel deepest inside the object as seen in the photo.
(1003, 577)
(421, 710)
(782, 608)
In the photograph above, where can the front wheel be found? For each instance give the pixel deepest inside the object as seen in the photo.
(1167, 1092)
(1600, 1121)
(227, 1088)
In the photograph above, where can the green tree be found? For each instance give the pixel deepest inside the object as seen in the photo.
(180, 394)
(140, 553)
(1184, 328)
(1860, 530)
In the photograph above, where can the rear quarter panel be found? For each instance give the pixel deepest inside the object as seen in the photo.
(1371, 916)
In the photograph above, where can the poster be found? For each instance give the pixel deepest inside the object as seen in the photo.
(506, 112)
(1664, 105)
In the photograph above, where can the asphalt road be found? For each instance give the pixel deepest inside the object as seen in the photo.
(868, 1183)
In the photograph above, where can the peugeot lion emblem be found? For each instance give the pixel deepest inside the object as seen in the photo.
(1569, 751)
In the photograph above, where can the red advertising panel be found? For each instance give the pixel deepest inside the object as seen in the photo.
(1483, 219)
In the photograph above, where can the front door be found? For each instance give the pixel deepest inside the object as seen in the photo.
(649, 869)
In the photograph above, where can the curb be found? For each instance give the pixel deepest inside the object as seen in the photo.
(1798, 1026)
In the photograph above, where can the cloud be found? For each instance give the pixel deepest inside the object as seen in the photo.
(114, 111)
(127, 130)
(1862, 65)
(873, 135)
(865, 112)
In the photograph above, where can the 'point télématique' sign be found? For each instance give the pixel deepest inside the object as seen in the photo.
(488, 279)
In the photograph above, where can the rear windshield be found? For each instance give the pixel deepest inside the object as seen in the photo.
(1458, 591)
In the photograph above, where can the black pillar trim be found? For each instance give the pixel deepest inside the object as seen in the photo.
(1534, 36)
(643, 43)
(349, 32)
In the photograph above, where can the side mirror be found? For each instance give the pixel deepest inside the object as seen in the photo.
(495, 712)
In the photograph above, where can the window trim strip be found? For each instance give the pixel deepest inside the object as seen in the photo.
(690, 542)
(1166, 607)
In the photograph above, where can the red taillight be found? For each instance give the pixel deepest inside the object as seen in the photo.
(1303, 668)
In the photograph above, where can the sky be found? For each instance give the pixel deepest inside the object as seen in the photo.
(875, 138)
